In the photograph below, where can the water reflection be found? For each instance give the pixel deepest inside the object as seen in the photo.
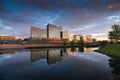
(7, 52)
(76, 64)
(114, 63)
(89, 49)
(74, 50)
(51, 56)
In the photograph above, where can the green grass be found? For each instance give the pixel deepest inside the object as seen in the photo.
(113, 49)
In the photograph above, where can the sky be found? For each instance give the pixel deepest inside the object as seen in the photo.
(85, 17)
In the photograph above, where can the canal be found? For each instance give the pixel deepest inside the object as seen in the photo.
(58, 64)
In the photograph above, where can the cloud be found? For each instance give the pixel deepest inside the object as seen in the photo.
(4, 27)
(111, 6)
(78, 16)
(87, 14)
(114, 19)
(98, 34)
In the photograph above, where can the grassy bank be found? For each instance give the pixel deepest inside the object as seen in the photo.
(111, 50)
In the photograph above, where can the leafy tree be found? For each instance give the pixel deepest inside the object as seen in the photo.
(80, 42)
(115, 33)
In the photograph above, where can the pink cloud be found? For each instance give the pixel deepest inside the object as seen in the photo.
(87, 14)
(114, 6)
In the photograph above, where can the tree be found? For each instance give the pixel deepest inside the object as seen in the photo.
(80, 42)
(72, 43)
(115, 33)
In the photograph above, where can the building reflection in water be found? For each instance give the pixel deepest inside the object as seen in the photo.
(74, 50)
(7, 52)
(51, 56)
(37, 55)
(89, 49)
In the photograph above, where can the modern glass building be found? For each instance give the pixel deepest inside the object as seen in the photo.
(65, 34)
(53, 31)
(89, 38)
(37, 33)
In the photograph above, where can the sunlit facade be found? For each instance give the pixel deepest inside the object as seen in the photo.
(53, 31)
(89, 38)
(76, 37)
(65, 34)
(70, 37)
(7, 37)
(37, 33)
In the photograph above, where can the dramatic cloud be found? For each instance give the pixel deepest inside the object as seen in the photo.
(77, 16)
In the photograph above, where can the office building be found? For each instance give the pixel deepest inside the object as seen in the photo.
(53, 31)
(77, 37)
(64, 34)
(7, 37)
(70, 37)
(37, 33)
(89, 38)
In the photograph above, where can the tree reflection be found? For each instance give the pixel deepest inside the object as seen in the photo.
(81, 49)
(73, 50)
(114, 63)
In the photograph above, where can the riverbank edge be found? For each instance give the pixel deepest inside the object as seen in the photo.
(34, 46)
(111, 50)
(108, 54)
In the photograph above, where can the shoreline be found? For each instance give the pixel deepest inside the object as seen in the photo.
(112, 50)
(108, 54)
(32, 46)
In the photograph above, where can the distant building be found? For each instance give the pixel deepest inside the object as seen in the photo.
(37, 33)
(64, 34)
(94, 40)
(84, 38)
(53, 31)
(89, 38)
(70, 37)
(7, 37)
(77, 37)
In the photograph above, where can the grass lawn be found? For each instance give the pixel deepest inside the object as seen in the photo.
(113, 49)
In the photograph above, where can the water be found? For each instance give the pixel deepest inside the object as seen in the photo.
(58, 64)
